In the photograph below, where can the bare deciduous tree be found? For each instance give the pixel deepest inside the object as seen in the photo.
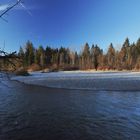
(4, 56)
(8, 9)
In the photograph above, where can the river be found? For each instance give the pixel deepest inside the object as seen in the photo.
(39, 113)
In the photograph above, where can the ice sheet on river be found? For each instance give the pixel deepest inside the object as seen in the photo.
(85, 80)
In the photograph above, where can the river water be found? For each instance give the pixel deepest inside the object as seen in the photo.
(38, 113)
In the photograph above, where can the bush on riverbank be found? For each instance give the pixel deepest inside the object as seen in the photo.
(34, 67)
(22, 72)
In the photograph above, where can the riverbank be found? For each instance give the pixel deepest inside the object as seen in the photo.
(88, 80)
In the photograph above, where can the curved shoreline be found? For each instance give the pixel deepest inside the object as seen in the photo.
(97, 81)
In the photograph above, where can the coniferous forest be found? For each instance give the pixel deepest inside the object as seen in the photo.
(90, 57)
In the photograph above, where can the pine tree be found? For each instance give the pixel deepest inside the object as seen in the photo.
(41, 54)
(29, 53)
(86, 57)
(21, 55)
(111, 56)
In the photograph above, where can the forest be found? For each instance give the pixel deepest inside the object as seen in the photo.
(127, 58)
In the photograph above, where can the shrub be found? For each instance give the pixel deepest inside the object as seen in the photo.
(22, 72)
(34, 67)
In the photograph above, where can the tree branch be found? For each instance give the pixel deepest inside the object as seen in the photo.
(9, 8)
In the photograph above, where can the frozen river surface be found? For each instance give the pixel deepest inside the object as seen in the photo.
(116, 81)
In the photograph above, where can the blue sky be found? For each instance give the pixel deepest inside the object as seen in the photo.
(71, 23)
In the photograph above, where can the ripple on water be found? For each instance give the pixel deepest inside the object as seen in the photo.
(31, 112)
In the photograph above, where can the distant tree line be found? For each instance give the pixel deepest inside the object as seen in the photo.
(127, 58)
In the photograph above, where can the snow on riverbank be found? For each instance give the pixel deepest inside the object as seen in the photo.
(84, 80)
